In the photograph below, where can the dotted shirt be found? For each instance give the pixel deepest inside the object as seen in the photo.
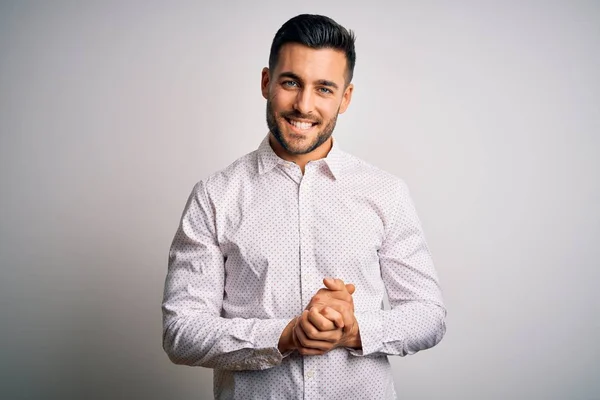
(255, 242)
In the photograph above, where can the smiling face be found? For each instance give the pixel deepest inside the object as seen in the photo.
(305, 93)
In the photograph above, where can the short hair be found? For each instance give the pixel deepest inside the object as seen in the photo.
(316, 32)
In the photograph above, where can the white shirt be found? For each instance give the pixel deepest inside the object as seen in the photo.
(255, 242)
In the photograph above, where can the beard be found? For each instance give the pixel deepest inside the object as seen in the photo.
(275, 127)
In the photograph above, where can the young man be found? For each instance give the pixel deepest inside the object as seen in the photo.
(255, 287)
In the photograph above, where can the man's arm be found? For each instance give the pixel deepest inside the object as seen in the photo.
(194, 333)
(416, 319)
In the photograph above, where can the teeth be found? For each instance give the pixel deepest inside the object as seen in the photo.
(301, 125)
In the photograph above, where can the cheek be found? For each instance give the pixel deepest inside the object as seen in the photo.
(328, 109)
(281, 100)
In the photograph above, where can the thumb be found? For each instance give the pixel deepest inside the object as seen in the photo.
(333, 284)
(350, 288)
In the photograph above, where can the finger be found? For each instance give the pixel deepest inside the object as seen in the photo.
(334, 284)
(294, 336)
(329, 340)
(308, 328)
(337, 304)
(349, 321)
(313, 333)
(323, 294)
(332, 315)
(310, 331)
(321, 321)
(344, 308)
(311, 344)
(350, 288)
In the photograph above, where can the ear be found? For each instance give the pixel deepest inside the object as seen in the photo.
(346, 97)
(264, 82)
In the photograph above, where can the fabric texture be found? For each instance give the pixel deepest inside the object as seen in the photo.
(254, 244)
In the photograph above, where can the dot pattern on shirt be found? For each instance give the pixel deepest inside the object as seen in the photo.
(255, 242)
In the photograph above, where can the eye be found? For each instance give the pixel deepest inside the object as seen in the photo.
(289, 84)
(325, 90)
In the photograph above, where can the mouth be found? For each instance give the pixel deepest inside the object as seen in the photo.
(300, 126)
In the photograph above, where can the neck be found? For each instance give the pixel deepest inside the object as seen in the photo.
(301, 159)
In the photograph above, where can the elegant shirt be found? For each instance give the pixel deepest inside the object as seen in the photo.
(255, 242)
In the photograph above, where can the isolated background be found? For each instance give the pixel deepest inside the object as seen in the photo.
(110, 111)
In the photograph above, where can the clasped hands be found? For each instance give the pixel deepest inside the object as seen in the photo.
(327, 322)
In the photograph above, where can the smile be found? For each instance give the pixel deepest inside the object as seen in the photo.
(300, 125)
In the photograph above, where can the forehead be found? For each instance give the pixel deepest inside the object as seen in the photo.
(312, 64)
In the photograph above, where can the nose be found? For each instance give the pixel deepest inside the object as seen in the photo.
(304, 102)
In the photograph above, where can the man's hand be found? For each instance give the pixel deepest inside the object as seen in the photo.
(337, 296)
(324, 327)
(328, 321)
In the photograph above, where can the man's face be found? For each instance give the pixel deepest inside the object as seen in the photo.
(305, 93)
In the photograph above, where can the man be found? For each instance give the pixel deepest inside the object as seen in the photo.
(257, 241)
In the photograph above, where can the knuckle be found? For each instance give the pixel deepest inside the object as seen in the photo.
(314, 314)
(328, 326)
(318, 325)
(314, 326)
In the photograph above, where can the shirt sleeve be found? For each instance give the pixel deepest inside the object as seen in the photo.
(416, 320)
(194, 333)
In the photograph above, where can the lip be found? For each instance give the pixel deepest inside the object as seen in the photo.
(310, 121)
(298, 130)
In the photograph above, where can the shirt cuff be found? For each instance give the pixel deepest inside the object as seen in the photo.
(267, 341)
(370, 326)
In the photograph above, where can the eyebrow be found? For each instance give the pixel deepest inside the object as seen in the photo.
(322, 82)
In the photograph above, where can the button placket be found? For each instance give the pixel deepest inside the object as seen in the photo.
(303, 232)
(311, 381)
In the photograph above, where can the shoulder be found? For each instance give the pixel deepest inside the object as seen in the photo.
(236, 174)
(359, 170)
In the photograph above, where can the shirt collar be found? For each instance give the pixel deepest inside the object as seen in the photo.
(267, 159)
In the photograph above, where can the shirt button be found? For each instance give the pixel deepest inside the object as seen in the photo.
(310, 374)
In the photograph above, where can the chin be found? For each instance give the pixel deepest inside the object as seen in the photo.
(299, 142)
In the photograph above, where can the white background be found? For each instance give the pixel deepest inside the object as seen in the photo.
(111, 111)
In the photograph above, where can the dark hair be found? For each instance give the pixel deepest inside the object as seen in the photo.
(317, 32)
